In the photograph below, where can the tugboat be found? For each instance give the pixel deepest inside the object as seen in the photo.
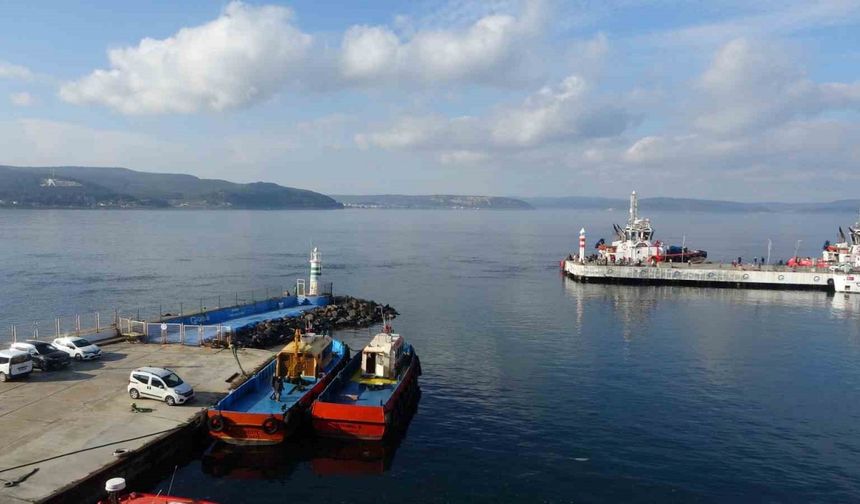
(372, 393)
(268, 407)
(634, 244)
(846, 278)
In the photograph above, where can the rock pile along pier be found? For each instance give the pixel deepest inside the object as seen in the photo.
(344, 312)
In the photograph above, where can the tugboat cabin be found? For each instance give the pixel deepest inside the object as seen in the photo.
(306, 356)
(380, 358)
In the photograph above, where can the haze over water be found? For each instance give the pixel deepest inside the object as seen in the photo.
(535, 388)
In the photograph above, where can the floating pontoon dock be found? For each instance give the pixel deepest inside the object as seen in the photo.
(710, 275)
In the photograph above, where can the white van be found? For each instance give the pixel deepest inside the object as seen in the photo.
(14, 364)
(159, 383)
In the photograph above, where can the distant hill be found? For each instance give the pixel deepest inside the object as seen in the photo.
(89, 187)
(691, 205)
(436, 201)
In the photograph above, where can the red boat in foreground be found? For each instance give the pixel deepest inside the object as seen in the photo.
(372, 393)
(115, 488)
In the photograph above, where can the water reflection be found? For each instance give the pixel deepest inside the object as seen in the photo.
(326, 457)
(634, 303)
(845, 305)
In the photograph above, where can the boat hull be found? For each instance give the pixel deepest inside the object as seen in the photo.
(251, 428)
(847, 283)
(145, 498)
(247, 428)
(369, 423)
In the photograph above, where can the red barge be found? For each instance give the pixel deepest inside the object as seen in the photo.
(372, 394)
(268, 407)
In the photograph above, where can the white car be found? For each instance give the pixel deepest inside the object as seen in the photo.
(14, 363)
(78, 348)
(159, 383)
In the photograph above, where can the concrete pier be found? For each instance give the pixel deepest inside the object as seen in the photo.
(711, 275)
(59, 412)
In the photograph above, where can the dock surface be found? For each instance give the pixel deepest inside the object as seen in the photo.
(87, 405)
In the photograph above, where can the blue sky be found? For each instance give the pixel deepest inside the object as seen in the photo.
(529, 98)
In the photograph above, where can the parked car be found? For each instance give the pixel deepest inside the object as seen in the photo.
(14, 364)
(78, 348)
(159, 383)
(45, 356)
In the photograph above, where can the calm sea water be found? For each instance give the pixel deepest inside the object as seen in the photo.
(535, 388)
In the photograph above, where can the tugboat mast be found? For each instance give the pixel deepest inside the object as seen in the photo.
(634, 208)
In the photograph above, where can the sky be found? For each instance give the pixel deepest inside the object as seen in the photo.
(737, 100)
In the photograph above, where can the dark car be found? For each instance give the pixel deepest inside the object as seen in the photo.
(45, 356)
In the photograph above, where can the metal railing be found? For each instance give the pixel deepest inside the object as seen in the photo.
(167, 333)
(105, 323)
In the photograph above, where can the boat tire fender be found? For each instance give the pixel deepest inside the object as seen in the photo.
(216, 423)
(270, 425)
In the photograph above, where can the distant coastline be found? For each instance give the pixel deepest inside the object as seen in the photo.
(431, 202)
(691, 205)
(81, 187)
(92, 188)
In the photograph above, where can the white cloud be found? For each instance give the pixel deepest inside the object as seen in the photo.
(490, 49)
(463, 157)
(767, 20)
(566, 112)
(44, 142)
(10, 71)
(369, 51)
(755, 109)
(244, 56)
(22, 99)
(753, 85)
(250, 53)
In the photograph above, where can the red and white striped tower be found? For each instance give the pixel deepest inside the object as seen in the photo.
(582, 245)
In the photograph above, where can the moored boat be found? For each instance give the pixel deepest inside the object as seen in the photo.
(372, 393)
(268, 407)
(115, 488)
